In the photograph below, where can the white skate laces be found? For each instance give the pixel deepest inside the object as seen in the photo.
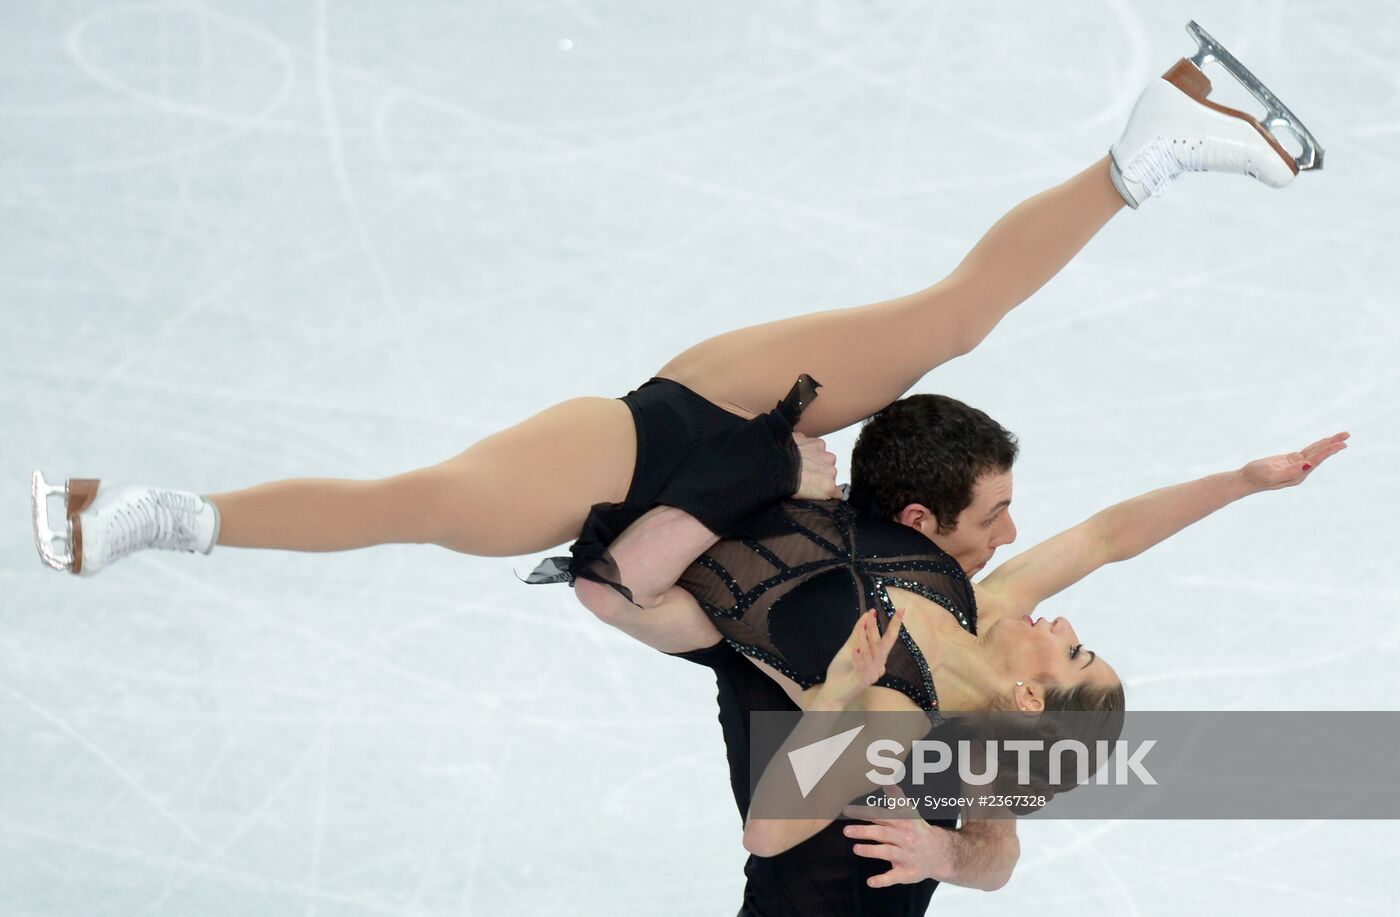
(1160, 161)
(162, 519)
(1175, 128)
(1163, 159)
(107, 524)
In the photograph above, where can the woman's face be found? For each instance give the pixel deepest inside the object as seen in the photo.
(1043, 652)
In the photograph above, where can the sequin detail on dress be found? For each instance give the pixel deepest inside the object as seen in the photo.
(789, 592)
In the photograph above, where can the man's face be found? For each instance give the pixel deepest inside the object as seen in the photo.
(982, 528)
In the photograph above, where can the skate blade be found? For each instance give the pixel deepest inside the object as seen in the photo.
(45, 538)
(1277, 116)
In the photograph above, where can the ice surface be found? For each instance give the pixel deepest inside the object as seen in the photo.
(247, 241)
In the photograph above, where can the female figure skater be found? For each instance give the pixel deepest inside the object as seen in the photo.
(696, 437)
(947, 467)
(786, 596)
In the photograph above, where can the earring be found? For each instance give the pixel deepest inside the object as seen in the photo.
(1020, 684)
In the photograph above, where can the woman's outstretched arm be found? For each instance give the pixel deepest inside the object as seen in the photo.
(1127, 529)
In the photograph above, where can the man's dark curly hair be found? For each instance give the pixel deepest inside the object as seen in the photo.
(928, 449)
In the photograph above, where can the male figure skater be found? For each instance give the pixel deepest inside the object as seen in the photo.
(946, 467)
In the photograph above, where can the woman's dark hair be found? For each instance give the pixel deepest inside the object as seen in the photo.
(927, 449)
(1086, 698)
(1089, 715)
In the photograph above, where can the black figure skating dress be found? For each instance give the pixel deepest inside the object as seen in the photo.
(788, 591)
(697, 457)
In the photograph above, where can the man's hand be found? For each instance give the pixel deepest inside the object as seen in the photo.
(818, 470)
(915, 849)
(1292, 469)
(980, 854)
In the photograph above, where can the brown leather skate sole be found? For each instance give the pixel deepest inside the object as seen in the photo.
(81, 493)
(1187, 77)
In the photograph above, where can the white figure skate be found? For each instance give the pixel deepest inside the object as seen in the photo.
(106, 524)
(1175, 128)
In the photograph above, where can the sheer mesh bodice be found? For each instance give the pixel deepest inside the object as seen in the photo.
(790, 592)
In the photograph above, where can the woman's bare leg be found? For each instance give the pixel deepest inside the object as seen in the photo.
(522, 490)
(868, 356)
(530, 487)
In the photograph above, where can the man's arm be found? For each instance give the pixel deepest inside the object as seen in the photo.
(653, 553)
(674, 624)
(1129, 528)
(984, 854)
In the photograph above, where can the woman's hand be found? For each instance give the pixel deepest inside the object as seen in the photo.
(1292, 469)
(861, 662)
(818, 470)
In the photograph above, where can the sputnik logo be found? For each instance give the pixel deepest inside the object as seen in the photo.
(811, 762)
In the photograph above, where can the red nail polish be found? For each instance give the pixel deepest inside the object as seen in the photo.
(1306, 467)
